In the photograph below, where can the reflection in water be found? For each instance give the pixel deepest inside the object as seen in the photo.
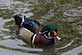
(10, 52)
(2, 22)
(74, 51)
(12, 44)
(50, 51)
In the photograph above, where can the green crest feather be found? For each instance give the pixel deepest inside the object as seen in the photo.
(51, 27)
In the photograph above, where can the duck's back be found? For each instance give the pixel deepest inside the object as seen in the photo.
(32, 25)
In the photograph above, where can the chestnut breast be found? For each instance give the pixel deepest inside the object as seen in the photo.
(40, 40)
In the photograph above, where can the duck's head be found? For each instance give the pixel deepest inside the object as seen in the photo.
(53, 30)
(17, 19)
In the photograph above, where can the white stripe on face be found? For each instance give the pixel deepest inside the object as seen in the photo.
(58, 37)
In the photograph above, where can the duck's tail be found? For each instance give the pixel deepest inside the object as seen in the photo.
(17, 19)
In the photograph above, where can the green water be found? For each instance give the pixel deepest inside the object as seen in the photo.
(71, 41)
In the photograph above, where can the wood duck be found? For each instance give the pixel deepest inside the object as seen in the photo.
(23, 21)
(45, 37)
(50, 30)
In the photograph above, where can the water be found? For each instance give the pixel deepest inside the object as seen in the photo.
(10, 45)
(74, 51)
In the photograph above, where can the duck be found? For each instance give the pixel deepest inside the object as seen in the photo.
(46, 37)
(31, 24)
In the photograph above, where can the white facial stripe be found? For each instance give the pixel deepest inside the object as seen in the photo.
(49, 34)
(58, 37)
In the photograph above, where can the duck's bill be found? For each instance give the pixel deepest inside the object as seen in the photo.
(58, 37)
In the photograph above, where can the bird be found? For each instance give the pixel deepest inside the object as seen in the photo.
(46, 37)
(23, 21)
